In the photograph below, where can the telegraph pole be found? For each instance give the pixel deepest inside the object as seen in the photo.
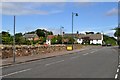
(14, 50)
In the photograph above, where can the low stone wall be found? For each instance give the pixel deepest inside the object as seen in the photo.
(7, 52)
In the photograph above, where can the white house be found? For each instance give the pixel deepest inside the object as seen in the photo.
(48, 40)
(31, 37)
(79, 41)
(94, 38)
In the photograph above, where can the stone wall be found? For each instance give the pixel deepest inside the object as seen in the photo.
(7, 52)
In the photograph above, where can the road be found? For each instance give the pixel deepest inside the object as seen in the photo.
(99, 62)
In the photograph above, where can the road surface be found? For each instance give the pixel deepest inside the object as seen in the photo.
(99, 62)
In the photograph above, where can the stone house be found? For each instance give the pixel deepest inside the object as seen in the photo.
(31, 37)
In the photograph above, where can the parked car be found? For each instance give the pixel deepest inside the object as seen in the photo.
(109, 45)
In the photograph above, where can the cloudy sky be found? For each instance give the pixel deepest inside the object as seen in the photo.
(93, 16)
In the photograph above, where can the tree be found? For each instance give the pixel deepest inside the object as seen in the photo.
(19, 39)
(77, 32)
(50, 33)
(18, 34)
(42, 40)
(5, 34)
(117, 34)
(40, 33)
(6, 38)
(59, 39)
(54, 40)
(71, 40)
(89, 32)
(98, 33)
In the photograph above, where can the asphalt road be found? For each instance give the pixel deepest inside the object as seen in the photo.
(93, 63)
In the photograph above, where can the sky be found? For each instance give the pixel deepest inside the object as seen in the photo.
(92, 16)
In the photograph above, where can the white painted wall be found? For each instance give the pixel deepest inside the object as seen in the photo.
(48, 42)
(96, 42)
(30, 39)
(79, 41)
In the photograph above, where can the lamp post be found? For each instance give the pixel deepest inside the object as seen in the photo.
(61, 32)
(14, 43)
(76, 14)
(118, 38)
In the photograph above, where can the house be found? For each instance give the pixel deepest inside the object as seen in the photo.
(71, 35)
(31, 37)
(75, 35)
(48, 40)
(92, 38)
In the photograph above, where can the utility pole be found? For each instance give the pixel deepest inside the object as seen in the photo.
(76, 14)
(14, 50)
(72, 29)
(61, 33)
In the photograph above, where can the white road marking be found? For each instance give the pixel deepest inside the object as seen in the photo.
(86, 54)
(21, 63)
(17, 72)
(116, 76)
(119, 66)
(117, 70)
(82, 49)
(1, 67)
(54, 62)
(92, 52)
(74, 57)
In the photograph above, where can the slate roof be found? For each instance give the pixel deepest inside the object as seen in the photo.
(30, 35)
(91, 36)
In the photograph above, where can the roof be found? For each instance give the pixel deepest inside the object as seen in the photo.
(30, 35)
(50, 36)
(91, 36)
(70, 35)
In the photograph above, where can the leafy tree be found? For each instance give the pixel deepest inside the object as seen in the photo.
(77, 32)
(89, 32)
(18, 34)
(32, 32)
(71, 40)
(117, 34)
(109, 40)
(6, 38)
(19, 39)
(68, 40)
(98, 33)
(40, 33)
(42, 40)
(59, 39)
(5, 34)
(50, 33)
(27, 42)
(54, 40)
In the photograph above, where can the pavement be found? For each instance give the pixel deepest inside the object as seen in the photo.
(95, 62)
(9, 61)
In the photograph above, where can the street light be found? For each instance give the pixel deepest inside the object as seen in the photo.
(76, 14)
(61, 32)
